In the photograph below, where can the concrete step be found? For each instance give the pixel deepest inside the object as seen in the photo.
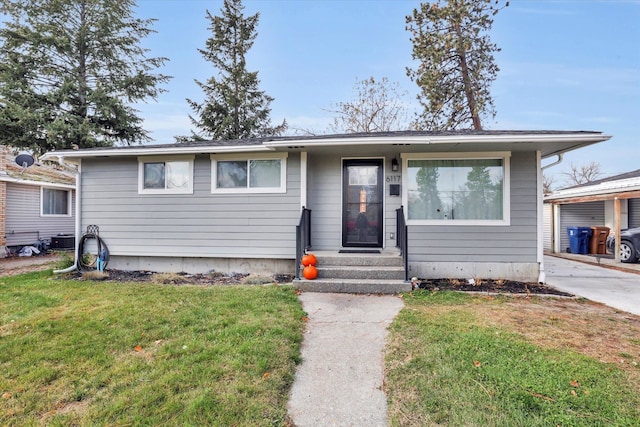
(362, 260)
(353, 286)
(360, 272)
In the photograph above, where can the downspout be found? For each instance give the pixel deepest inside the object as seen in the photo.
(540, 218)
(78, 230)
(560, 155)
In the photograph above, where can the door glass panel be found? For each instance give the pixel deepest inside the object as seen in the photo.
(363, 206)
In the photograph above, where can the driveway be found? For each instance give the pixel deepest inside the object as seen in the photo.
(614, 288)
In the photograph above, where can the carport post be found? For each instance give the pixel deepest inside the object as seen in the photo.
(616, 224)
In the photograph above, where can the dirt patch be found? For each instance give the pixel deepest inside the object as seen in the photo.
(13, 266)
(213, 278)
(489, 286)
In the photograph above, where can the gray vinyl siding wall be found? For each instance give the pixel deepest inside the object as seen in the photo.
(325, 201)
(515, 243)
(201, 224)
(634, 213)
(589, 214)
(24, 225)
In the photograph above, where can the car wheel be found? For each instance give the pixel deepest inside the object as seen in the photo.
(627, 252)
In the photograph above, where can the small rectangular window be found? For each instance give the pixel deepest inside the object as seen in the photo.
(171, 176)
(255, 174)
(55, 202)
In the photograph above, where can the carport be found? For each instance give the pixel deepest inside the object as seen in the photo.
(620, 194)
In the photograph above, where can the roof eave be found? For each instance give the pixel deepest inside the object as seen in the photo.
(11, 179)
(580, 138)
(74, 155)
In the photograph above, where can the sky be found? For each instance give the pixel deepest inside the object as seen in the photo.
(564, 65)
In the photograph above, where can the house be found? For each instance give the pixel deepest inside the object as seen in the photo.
(592, 205)
(37, 203)
(456, 204)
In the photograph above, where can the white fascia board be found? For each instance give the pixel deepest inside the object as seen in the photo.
(155, 151)
(631, 184)
(441, 139)
(36, 183)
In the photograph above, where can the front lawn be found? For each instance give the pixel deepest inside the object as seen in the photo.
(105, 353)
(461, 360)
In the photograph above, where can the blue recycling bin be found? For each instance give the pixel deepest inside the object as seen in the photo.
(579, 239)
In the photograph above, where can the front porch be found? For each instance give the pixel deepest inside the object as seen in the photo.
(361, 273)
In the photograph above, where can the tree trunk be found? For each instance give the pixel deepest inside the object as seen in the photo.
(468, 89)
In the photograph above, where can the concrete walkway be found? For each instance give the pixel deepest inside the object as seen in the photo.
(618, 289)
(339, 382)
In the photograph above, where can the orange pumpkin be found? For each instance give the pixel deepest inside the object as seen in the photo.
(309, 259)
(310, 272)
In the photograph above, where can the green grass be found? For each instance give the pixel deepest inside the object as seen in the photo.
(446, 367)
(103, 353)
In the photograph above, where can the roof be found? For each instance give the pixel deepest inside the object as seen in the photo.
(37, 174)
(548, 142)
(619, 177)
(624, 185)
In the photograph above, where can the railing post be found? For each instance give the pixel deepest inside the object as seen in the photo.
(402, 240)
(298, 251)
(303, 237)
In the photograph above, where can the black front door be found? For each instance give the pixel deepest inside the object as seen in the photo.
(362, 196)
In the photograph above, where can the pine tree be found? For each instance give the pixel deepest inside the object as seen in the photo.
(456, 63)
(69, 72)
(234, 107)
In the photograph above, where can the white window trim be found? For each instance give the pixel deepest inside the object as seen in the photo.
(69, 202)
(246, 157)
(155, 159)
(505, 156)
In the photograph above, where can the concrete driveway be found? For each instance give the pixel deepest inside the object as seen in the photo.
(614, 288)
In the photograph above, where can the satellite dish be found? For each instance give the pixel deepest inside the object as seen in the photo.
(25, 160)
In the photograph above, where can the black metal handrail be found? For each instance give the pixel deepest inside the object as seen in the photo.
(303, 237)
(402, 240)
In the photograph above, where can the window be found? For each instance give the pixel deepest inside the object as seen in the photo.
(462, 190)
(258, 173)
(162, 175)
(55, 202)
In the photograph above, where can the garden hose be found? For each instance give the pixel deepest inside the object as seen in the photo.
(87, 261)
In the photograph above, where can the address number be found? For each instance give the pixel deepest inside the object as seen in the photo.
(394, 178)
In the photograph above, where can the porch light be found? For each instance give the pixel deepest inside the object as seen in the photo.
(394, 165)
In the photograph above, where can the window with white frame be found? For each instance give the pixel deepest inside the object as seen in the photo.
(468, 190)
(165, 175)
(55, 202)
(256, 173)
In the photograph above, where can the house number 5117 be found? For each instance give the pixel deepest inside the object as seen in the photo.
(394, 178)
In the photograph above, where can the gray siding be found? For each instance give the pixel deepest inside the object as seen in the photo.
(515, 243)
(24, 225)
(190, 225)
(325, 200)
(634, 213)
(590, 214)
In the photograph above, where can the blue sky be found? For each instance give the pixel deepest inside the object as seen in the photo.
(565, 65)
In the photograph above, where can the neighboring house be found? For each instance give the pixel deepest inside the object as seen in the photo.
(36, 202)
(592, 205)
(472, 200)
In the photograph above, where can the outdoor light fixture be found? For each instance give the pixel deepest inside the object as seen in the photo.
(394, 165)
